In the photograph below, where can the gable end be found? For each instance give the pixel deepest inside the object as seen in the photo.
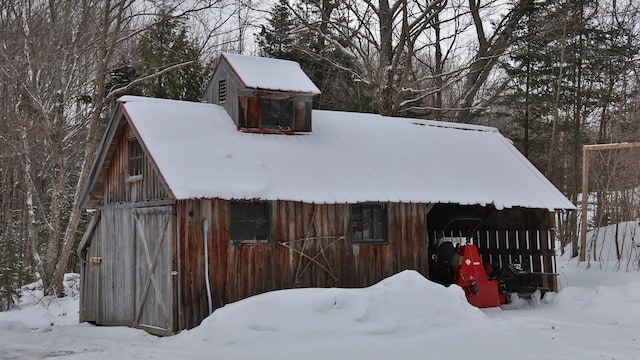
(123, 171)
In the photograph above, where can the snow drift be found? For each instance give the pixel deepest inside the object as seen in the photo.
(389, 307)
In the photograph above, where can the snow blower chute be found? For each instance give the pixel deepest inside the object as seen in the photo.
(471, 276)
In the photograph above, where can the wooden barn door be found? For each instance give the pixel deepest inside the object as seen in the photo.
(154, 236)
(90, 271)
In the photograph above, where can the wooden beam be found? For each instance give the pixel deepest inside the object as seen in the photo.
(585, 201)
(624, 145)
(585, 185)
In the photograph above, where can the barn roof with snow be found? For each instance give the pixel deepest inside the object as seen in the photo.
(266, 73)
(347, 158)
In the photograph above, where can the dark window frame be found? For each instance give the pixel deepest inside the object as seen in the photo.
(135, 159)
(267, 113)
(249, 222)
(276, 114)
(369, 223)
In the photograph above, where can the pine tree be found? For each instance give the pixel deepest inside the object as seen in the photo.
(276, 38)
(162, 46)
(527, 102)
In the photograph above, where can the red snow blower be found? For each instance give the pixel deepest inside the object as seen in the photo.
(456, 260)
(471, 276)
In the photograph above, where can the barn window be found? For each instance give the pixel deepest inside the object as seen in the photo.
(135, 158)
(265, 113)
(250, 222)
(369, 223)
(276, 114)
(222, 91)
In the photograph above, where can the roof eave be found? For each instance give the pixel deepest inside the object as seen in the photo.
(246, 86)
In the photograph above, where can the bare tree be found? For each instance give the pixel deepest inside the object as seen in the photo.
(56, 61)
(412, 53)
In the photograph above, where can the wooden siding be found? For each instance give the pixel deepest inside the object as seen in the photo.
(311, 246)
(302, 115)
(120, 188)
(223, 72)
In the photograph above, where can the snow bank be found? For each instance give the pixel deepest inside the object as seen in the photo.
(402, 317)
(600, 304)
(403, 304)
(626, 235)
(40, 313)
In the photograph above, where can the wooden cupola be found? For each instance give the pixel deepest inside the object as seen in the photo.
(262, 94)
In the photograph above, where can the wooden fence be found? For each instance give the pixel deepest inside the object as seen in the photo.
(534, 250)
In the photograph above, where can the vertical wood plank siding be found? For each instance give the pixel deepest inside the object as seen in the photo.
(117, 189)
(232, 85)
(311, 246)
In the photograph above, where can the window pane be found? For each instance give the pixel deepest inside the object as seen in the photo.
(135, 158)
(275, 110)
(366, 233)
(377, 215)
(236, 211)
(249, 230)
(262, 231)
(368, 222)
(249, 221)
(236, 222)
(276, 114)
(236, 231)
(377, 230)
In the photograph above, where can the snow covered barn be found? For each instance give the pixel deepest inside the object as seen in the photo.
(202, 204)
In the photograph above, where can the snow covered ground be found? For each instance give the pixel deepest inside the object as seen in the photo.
(595, 316)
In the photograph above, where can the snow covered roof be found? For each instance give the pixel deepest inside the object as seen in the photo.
(347, 158)
(270, 74)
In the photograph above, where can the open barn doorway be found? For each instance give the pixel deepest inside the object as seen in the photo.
(515, 243)
(449, 228)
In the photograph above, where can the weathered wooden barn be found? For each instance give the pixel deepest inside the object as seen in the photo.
(201, 204)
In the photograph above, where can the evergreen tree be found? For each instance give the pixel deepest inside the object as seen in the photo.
(121, 76)
(164, 45)
(527, 103)
(276, 38)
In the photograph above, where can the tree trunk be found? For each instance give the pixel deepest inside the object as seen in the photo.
(488, 53)
(386, 59)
